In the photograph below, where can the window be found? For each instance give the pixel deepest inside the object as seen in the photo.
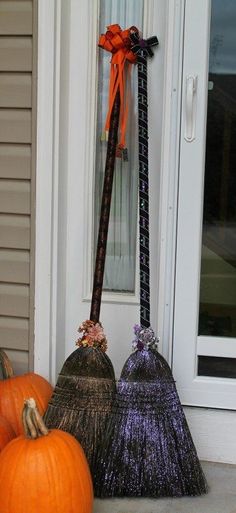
(122, 236)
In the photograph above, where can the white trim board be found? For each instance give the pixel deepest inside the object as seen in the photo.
(213, 432)
(169, 173)
(47, 168)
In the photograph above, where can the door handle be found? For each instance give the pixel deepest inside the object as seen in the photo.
(190, 107)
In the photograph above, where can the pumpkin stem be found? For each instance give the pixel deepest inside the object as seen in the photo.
(33, 423)
(5, 365)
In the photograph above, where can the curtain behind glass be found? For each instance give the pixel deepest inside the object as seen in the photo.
(121, 245)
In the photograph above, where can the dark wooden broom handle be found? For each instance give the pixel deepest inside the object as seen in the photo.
(105, 211)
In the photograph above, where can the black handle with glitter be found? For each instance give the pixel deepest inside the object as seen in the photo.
(105, 211)
(143, 193)
(143, 50)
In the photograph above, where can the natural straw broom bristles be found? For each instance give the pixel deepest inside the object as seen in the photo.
(82, 399)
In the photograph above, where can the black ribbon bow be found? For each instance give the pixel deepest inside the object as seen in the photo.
(143, 46)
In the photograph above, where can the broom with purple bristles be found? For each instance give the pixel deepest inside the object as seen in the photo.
(148, 450)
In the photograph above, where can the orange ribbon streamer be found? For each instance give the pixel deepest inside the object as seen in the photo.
(118, 42)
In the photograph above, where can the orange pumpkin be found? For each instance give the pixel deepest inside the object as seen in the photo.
(14, 389)
(6, 432)
(44, 471)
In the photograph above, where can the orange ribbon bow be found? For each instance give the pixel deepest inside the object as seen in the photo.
(118, 42)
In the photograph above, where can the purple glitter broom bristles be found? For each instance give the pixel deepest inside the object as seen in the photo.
(148, 450)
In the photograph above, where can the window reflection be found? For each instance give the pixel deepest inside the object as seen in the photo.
(217, 316)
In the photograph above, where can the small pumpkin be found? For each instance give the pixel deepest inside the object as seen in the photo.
(44, 471)
(14, 389)
(6, 432)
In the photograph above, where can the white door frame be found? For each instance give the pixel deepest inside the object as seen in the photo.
(50, 32)
(213, 430)
(58, 181)
(169, 173)
(194, 389)
(47, 185)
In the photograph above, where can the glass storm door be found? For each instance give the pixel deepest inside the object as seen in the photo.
(204, 357)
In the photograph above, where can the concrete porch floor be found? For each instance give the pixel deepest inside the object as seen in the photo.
(221, 497)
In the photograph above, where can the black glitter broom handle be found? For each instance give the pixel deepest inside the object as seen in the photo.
(143, 192)
(105, 211)
(143, 49)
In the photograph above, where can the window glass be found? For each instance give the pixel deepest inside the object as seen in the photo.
(217, 316)
(122, 236)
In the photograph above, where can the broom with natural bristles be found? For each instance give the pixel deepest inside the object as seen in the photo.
(148, 449)
(83, 396)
